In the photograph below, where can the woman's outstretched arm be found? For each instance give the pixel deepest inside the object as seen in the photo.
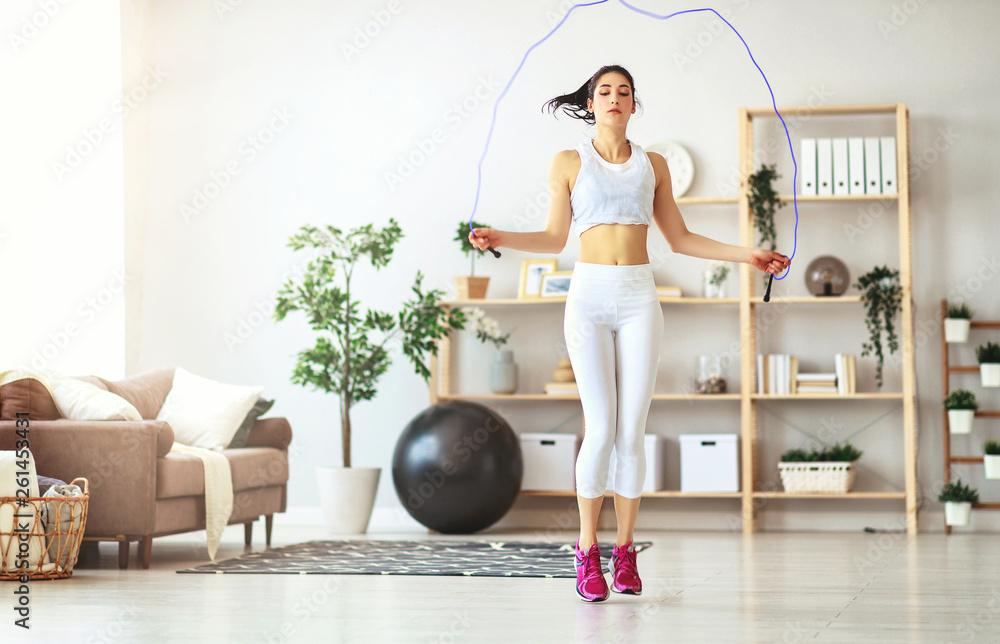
(553, 239)
(681, 240)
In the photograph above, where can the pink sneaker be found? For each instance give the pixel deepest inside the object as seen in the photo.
(590, 584)
(624, 574)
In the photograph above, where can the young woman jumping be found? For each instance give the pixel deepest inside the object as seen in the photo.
(613, 321)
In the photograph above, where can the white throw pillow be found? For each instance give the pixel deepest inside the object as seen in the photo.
(203, 412)
(79, 400)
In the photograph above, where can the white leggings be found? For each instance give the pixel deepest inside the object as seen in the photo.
(613, 326)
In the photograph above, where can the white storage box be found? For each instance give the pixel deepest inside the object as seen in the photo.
(654, 465)
(710, 463)
(549, 461)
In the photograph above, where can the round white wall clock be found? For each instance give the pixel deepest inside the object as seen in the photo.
(680, 163)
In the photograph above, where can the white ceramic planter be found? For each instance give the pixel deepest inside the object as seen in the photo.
(347, 496)
(989, 373)
(957, 514)
(956, 329)
(992, 465)
(960, 420)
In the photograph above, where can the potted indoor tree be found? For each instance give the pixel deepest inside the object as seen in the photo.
(988, 356)
(991, 459)
(956, 325)
(470, 287)
(961, 405)
(830, 470)
(351, 351)
(958, 500)
(881, 294)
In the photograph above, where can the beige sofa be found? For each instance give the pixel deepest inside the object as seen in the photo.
(138, 489)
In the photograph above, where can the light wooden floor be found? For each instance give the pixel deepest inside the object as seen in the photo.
(699, 587)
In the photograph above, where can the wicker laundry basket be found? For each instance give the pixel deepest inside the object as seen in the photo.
(818, 477)
(56, 549)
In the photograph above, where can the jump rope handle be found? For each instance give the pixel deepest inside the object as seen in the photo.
(767, 293)
(495, 252)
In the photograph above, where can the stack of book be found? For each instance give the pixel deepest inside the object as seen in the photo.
(668, 291)
(776, 373)
(816, 383)
(561, 388)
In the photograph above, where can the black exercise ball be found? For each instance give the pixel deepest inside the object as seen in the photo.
(457, 467)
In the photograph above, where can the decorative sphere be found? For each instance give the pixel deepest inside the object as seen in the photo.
(457, 467)
(827, 275)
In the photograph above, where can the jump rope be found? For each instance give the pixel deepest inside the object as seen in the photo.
(479, 168)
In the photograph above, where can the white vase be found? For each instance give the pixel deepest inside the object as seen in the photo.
(956, 513)
(960, 420)
(712, 290)
(956, 329)
(989, 373)
(347, 496)
(991, 463)
(503, 373)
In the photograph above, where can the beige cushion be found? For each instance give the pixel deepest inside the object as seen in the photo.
(79, 400)
(204, 412)
(27, 395)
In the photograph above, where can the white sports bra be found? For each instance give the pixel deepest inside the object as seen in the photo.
(612, 193)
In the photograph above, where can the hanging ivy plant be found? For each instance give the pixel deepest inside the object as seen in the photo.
(764, 203)
(881, 293)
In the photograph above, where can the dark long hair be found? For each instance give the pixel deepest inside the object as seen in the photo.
(575, 103)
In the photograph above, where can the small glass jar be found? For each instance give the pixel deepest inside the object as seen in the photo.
(711, 375)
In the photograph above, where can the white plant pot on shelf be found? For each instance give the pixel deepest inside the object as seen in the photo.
(957, 514)
(347, 496)
(992, 465)
(956, 329)
(960, 420)
(989, 373)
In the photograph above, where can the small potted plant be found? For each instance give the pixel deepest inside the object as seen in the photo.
(882, 295)
(958, 500)
(470, 287)
(715, 279)
(956, 325)
(988, 356)
(961, 405)
(503, 371)
(830, 470)
(991, 459)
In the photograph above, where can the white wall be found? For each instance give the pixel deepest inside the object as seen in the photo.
(335, 123)
(61, 242)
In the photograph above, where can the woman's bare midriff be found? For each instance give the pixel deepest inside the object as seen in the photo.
(619, 244)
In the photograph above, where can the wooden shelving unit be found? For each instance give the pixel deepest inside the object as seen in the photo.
(748, 304)
(948, 370)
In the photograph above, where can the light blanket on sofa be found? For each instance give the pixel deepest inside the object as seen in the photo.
(218, 492)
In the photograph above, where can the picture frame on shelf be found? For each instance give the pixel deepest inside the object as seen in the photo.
(532, 270)
(556, 283)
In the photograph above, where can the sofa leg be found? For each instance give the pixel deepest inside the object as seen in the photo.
(123, 554)
(248, 532)
(147, 550)
(268, 524)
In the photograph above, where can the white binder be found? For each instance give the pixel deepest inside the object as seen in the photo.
(807, 167)
(888, 151)
(873, 166)
(856, 165)
(840, 179)
(824, 167)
